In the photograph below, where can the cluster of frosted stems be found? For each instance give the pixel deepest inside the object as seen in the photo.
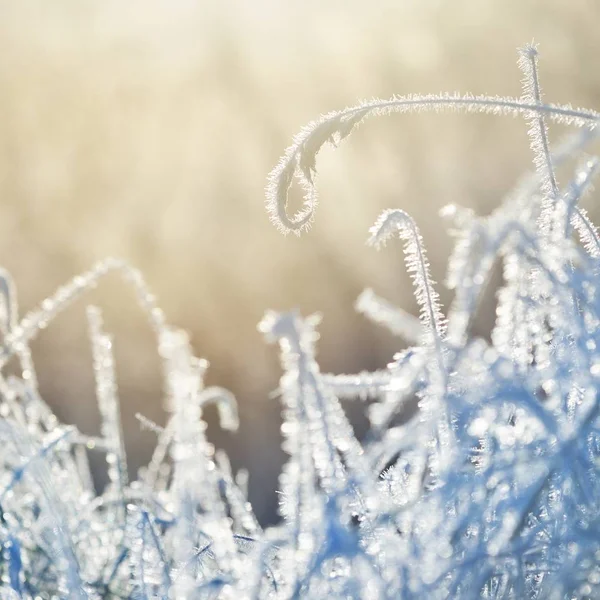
(491, 489)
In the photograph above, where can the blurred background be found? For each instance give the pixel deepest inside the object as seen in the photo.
(145, 129)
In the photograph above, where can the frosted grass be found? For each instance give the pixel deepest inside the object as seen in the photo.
(490, 490)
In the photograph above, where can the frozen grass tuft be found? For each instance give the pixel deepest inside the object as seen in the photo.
(491, 490)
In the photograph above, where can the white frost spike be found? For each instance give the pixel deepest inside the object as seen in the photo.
(395, 319)
(296, 338)
(432, 319)
(195, 483)
(108, 401)
(538, 130)
(299, 504)
(337, 456)
(434, 324)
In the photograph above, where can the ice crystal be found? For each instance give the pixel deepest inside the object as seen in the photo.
(491, 489)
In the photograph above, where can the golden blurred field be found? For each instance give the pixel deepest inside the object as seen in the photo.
(146, 129)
